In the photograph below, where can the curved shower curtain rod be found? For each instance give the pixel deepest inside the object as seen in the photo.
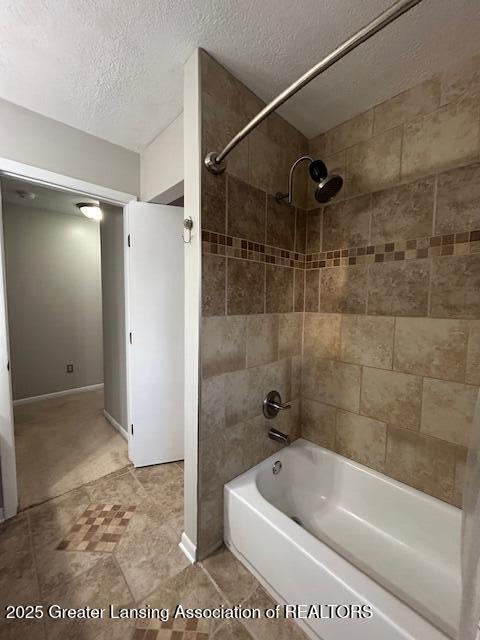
(215, 162)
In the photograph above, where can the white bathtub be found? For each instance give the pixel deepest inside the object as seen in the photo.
(365, 539)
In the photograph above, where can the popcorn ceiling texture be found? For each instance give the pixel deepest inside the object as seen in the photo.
(363, 313)
(115, 69)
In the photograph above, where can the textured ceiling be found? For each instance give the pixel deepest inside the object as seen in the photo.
(46, 199)
(115, 69)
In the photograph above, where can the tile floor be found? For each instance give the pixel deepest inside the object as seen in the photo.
(143, 566)
(62, 443)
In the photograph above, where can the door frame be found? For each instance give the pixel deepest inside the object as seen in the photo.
(45, 178)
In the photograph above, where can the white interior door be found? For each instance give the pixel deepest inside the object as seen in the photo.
(7, 437)
(155, 328)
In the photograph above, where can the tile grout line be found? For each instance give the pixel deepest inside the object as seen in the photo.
(35, 564)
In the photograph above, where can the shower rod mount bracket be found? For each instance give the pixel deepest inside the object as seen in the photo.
(213, 165)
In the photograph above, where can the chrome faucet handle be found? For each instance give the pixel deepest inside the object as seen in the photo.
(273, 404)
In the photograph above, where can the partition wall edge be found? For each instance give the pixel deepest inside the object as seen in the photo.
(192, 167)
(58, 181)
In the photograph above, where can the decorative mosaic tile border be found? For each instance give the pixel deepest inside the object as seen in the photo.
(178, 629)
(99, 528)
(454, 244)
(231, 247)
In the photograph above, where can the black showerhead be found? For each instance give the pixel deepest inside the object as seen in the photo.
(328, 188)
(317, 170)
(327, 185)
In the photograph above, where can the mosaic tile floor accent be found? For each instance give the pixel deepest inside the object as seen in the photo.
(99, 528)
(176, 630)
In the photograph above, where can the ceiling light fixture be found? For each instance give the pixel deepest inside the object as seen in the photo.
(90, 210)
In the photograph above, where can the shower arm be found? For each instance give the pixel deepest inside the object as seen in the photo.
(215, 162)
(289, 195)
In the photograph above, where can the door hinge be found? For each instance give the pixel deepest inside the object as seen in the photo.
(131, 428)
(130, 337)
(8, 366)
(128, 240)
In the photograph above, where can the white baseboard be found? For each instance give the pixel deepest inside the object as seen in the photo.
(57, 394)
(116, 425)
(188, 548)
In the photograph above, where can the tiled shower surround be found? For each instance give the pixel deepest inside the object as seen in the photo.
(364, 313)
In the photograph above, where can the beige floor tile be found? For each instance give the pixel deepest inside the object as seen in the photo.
(231, 577)
(232, 630)
(148, 553)
(99, 587)
(164, 485)
(190, 588)
(124, 490)
(63, 443)
(50, 521)
(265, 629)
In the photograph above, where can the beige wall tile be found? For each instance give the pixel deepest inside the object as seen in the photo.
(448, 409)
(398, 288)
(279, 289)
(219, 83)
(458, 200)
(210, 522)
(392, 397)
(245, 287)
(299, 290)
(274, 376)
(290, 331)
(240, 401)
(312, 287)
(316, 146)
(296, 376)
(332, 382)
(421, 99)
(280, 224)
(442, 139)
(404, 212)
(219, 125)
(318, 423)
(472, 373)
(343, 289)
(348, 133)
(374, 164)
(262, 339)
(300, 230)
(367, 340)
(346, 224)
(460, 462)
(425, 463)
(246, 211)
(461, 80)
(314, 230)
(223, 344)
(361, 439)
(454, 287)
(322, 335)
(431, 347)
(213, 202)
(213, 285)
(212, 408)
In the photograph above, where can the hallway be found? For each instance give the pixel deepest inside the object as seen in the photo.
(63, 443)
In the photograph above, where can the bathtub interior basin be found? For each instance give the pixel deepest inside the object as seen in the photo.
(403, 539)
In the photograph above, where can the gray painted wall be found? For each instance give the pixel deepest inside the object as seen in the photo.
(33, 139)
(113, 297)
(54, 300)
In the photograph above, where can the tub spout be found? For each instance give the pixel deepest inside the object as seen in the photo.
(278, 436)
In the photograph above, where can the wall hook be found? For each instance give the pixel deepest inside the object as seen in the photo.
(187, 226)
